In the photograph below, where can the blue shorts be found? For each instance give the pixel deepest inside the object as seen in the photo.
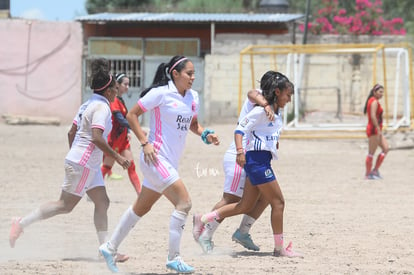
(258, 167)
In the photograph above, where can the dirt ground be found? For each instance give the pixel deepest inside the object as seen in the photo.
(342, 223)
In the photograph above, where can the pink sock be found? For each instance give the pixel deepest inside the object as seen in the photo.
(278, 241)
(209, 217)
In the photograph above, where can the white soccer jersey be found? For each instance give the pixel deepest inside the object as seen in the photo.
(94, 113)
(170, 119)
(262, 134)
(246, 108)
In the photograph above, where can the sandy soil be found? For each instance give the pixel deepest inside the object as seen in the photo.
(342, 223)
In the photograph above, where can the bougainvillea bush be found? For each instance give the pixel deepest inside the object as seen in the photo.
(365, 19)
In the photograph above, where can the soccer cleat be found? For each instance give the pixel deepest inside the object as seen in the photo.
(15, 231)
(287, 252)
(178, 264)
(245, 240)
(198, 226)
(109, 255)
(376, 175)
(206, 245)
(114, 176)
(370, 176)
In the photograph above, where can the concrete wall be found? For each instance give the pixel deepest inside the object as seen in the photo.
(41, 68)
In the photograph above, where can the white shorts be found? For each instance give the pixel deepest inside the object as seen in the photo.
(234, 176)
(79, 179)
(158, 177)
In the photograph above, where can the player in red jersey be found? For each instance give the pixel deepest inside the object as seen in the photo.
(374, 112)
(119, 137)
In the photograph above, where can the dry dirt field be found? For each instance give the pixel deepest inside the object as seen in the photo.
(342, 223)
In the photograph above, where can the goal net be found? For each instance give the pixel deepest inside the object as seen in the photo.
(332, 82)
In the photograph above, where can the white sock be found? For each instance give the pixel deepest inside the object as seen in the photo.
(246, 224)
(177, 223)
(127, 222)
(209, 230)
(102, 236)
(34, 216)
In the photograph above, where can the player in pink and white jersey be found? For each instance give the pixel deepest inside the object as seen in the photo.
(87, 142)
(172, 106)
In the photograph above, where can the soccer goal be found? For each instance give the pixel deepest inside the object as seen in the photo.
(333, 81)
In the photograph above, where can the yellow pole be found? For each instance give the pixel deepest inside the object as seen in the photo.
(410, 59)
(252, 69)
(240, 84)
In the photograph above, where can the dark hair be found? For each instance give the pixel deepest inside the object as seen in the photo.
(164, 72)
(101, 77)
(371, 94)
(272, 80)
(119, 77)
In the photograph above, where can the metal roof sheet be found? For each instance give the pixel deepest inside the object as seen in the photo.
(191, 17)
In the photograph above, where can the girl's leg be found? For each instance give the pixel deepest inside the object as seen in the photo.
(107, 164)
(64, 205)
(178, 195)
(384, 146)
(211, 227)
(373, 142)
(272, 193)
(132, 215)
(248, 200)
(133, 177)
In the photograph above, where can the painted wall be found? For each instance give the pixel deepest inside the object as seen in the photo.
(40, 68)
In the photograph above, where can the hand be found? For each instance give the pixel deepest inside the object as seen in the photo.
(213, 138)
(149, 154)
(269, 113)
(241, 159)
(125, 163)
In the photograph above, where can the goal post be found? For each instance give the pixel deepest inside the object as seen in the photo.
(332, 82)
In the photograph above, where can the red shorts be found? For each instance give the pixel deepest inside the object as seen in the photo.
(372, 130)
(119, 145)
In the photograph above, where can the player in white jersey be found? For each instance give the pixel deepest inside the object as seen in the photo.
(255, 158)
(233, 187)
(87, 142)
(173, 107)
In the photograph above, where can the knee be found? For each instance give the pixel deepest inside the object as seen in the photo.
(184, 206)
(278, 204)
(102, 204)
(244, 207)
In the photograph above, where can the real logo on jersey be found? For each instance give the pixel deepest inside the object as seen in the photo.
(244, 122)
(270, 124)
(268, 173)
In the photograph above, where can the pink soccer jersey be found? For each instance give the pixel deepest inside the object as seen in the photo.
(170, 119)
(95, 113)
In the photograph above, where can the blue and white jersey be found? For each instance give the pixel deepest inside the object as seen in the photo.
(261, 134)
(246, 108)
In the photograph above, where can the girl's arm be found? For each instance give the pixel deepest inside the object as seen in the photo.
(208, 136)
(257, 97)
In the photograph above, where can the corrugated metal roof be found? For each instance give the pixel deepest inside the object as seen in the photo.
(191, 17)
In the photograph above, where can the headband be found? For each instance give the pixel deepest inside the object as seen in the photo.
(176, 63)
(376, 87)
(106, 85)
(120, 76)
